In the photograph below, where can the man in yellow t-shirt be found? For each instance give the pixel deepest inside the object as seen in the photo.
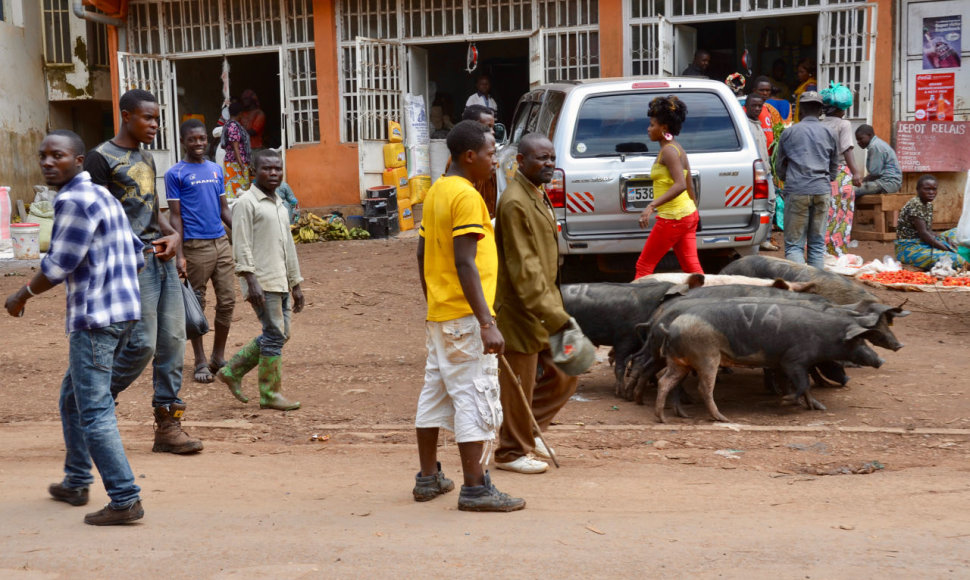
(458, 266)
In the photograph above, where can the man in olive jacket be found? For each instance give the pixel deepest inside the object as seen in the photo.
(529, 306)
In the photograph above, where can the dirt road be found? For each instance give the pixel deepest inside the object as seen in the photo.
(767, 496)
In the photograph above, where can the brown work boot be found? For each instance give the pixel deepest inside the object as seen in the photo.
(169, 436)
(108, 516)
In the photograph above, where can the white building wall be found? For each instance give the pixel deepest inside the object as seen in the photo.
(23, 99)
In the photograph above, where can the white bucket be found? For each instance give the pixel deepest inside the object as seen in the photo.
(26, 241)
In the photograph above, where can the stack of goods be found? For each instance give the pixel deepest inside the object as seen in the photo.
(381, 211)
(395, 177)
(313, 228)
(419, 144)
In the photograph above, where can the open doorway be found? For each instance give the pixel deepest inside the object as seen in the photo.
(200, 88)
(449, 85)
(775, 47)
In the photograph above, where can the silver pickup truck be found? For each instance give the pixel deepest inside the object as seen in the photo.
(603, 159)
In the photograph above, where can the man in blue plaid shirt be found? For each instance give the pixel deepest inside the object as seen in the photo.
(93, 251)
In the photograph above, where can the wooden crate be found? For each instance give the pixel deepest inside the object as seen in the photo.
(875, 216)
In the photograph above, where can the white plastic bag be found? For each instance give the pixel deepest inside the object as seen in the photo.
(963, 226)
(418, 135)
(887, 264)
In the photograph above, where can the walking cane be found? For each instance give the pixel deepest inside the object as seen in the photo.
(528, 407)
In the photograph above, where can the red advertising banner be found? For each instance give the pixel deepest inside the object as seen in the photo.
(934, 96)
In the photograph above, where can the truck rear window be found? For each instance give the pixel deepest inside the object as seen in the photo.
(610, 125)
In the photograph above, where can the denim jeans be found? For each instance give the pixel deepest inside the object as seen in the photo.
(88, 415)
(160, 334)
(805, 218)
(274, 314)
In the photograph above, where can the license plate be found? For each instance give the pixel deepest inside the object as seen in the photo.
(638, 196)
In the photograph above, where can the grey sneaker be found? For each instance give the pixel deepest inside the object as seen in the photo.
(427, 488)
(486, 498)
(75, 496)
(108, 516)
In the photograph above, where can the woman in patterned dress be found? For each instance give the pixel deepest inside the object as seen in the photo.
(836, 100)
(235, 140)
(915, 243)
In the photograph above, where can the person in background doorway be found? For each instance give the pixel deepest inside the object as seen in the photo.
(882, 167)
(774, 110)
(200, 214)
(252, 118)
(127, 170)
(529, 307)
(285, 192)
(806, 82)
(674, 196)
(836, 99)
(269, 273)
(698, 67)
(778, 70)
(96, 254)
(807, 160)
(235, 140)
(916, 244)
(752, 108)
(440, 116)
(458, 267)
(483, 95)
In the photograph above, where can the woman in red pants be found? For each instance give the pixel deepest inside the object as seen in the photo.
(674, 197)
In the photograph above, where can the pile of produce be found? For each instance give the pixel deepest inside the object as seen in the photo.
(900, 277)
(313, 228)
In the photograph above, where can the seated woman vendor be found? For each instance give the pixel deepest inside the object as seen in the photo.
(916, 244)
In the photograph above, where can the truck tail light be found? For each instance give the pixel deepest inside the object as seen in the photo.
(760, 180)
(556, 189)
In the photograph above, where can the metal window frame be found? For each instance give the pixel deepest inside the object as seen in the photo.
(441, 21)
(289, 33)
(57, 33)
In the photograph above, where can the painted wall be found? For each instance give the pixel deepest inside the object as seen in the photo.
(77, 80)
(325, 174)
(23, 102)
(611, 38)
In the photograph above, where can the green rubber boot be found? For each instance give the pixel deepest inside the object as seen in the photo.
(269, 386)
(240, 364)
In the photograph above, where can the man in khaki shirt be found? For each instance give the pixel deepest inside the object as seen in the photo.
(267, 265)
(529, 306)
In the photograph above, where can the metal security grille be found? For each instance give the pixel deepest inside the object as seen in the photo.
(191, 25)
(699, 7)
(154, 75)
(507, 15)
(299, 21)
(565, 32)
(379, 84)
(645, 49)
(304, 116)
(221, 27)
(646, 8)
(57, 32)
(97, 35)
(253, 23)
(144, 25)
(370, 18)
(846, 55)
(424, 18)
(348, 93)
(563, 13)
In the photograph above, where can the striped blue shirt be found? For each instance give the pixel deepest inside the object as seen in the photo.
(94, 250)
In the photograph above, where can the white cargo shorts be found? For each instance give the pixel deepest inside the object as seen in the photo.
(461, 392)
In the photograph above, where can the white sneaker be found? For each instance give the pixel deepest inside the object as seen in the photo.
(540, 450)
(524, 464)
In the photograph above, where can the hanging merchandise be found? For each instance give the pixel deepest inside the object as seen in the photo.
(735, 82)
(471, 58)
(746, 61)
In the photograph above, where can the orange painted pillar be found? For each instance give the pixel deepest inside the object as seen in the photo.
(882, 84)
(611, 38)
(114, 74)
